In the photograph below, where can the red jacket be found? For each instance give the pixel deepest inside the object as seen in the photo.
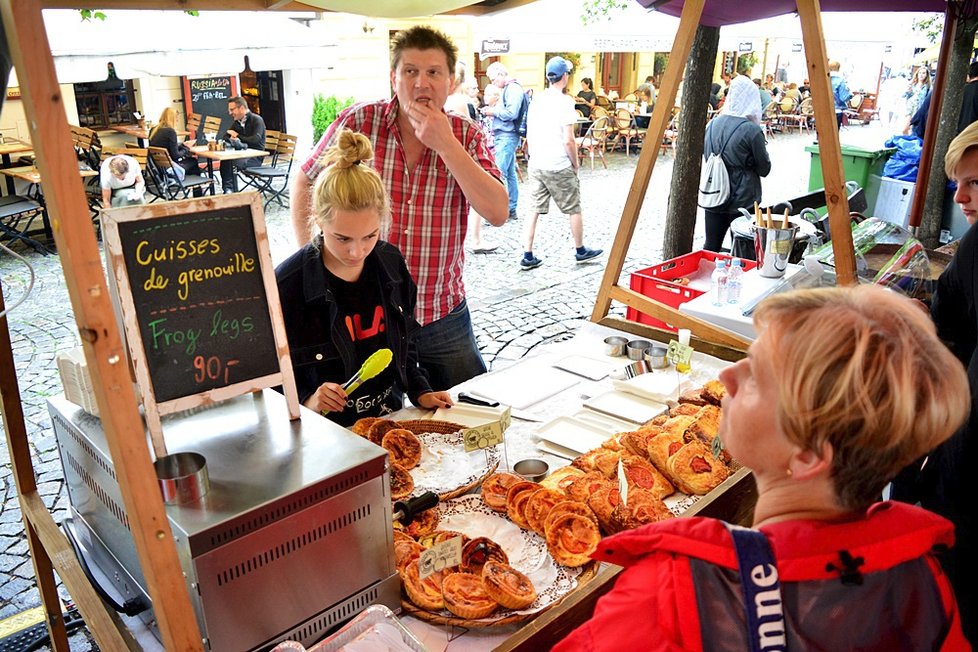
(681, 587)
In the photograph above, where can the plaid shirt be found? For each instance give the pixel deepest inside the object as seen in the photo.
(428, 210)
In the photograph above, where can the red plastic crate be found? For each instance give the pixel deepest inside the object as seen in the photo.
(656, 283)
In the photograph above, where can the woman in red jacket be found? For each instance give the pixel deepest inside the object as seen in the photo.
(842, 388)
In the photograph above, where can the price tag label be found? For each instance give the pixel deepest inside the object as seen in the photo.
(484, 436)
(679, 354)
(440, 556)
(780, 247)
(622, 483)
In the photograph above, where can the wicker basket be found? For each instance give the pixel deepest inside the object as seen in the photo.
(439, 619)
(422, 426)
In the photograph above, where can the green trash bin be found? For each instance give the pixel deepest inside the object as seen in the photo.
(857, 164)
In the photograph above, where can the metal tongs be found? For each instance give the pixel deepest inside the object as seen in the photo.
(406, 511)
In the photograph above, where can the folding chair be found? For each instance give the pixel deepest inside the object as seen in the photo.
(17, 213)
(264, 177)
(168, 184)
(212, 124)
(193, 125)
(594, 139)
(271, 146)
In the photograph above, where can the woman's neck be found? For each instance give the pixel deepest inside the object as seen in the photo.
(339, 270)
(786, 499)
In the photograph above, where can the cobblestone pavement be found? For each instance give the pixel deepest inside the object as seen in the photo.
(513, 311)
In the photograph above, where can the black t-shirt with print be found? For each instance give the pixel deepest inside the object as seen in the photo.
(361, 316)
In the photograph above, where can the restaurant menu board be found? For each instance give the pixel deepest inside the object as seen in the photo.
(209, 96)
(198, 300)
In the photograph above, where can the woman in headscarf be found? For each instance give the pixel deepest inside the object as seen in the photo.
(736, 136)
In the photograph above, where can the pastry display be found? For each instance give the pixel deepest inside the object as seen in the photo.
(538, 508)
(402, 484)
(507, 586)
(379, 428)
(426, 593)
(571, 539)
(495, 488)
(403, 446)
(466, 597)
(478, 551)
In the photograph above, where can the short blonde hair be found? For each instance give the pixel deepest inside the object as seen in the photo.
(958, 147)
(862, 370)
(119, 165)
(834, 66)
(349, 183)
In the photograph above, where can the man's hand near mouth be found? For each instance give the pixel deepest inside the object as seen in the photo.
(431, 125)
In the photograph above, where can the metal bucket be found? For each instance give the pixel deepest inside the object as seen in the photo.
(182, 477)
(773, 248)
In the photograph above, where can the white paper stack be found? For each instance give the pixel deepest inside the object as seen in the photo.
(76, 380)
(658, 386)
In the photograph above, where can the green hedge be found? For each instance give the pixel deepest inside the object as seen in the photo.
(324, 112)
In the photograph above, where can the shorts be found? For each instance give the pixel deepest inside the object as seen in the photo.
(563, 186)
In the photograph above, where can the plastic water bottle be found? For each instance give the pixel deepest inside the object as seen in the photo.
(734, 280)
(719, 279)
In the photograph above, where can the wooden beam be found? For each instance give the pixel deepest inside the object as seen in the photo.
(702, 329)
(661, 114)
(830, 151)
(49, 537)
(106, 357)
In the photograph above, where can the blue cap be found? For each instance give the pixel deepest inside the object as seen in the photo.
(556, 68)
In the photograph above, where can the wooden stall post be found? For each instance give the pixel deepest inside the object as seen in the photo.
(828, 140)
(104, 352)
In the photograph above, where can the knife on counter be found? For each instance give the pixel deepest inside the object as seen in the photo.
(484, 401)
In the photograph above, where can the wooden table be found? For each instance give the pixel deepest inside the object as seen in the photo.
(141, 134)
(32, 176)
(12, 146)
(225, 155)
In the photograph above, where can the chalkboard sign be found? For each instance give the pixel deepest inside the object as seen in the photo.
(198, 299)
(209, 96)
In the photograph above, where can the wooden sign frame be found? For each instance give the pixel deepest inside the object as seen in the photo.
(125, 301)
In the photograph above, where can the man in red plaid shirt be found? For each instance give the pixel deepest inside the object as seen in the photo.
(435, 167)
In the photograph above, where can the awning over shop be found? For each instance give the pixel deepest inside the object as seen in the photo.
(717, 13)
(173, 43)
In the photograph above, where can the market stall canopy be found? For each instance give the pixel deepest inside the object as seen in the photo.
(718, 13)
(378, 8)
(174, 43)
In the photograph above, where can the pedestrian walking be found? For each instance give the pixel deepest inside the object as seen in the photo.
(554, 163)
(507, 115)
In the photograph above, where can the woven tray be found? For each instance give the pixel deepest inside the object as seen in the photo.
(439, 619)
(422, 426)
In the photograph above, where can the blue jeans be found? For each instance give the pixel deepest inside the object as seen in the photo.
(447, 349)
(506, 144)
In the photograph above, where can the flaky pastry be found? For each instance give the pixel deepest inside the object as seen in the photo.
(508, 586)
(538, 508)
(402, 484)
(571, 539)
(379, 428)
(643, 475)
(561, 478)
(362, 426)
(403, 446)
(694, 469)
(405, 552)
(582, 488)
(714, 391)
(478, 551)
(495, 488)
(426, 593)
(466, 597)
(569, 507)
(424, 523)
(516, 505)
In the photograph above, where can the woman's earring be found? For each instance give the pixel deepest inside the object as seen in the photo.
(787, 472)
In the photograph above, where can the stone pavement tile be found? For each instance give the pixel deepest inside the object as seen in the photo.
(513, 312)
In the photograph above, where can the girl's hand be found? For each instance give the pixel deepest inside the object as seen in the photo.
(436, 400)
(329, 396)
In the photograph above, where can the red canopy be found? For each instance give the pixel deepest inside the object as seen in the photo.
(717, 13)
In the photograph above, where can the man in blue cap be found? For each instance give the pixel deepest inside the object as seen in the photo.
(554, 162)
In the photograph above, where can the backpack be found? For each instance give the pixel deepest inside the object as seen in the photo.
(714, 188)
(521, 116)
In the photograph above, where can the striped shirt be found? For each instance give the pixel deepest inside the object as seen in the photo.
(429, 212)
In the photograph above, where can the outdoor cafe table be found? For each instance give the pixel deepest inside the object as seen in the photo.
(141, 134)
(225, 155)
(32, 176)
(8, 147)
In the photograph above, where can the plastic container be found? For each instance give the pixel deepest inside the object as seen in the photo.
(659, 282)
(735, 281)
(857, 164)
(368, 618)
(718, 283)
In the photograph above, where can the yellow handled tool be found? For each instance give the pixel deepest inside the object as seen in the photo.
(372, 366)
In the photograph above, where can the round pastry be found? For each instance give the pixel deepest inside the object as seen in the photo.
(571, 539)
(583, 487)
(495, 488)
(424, 523)
(568, 507)
(478, 551)
(508, 586)
(695, 470)
(379, 428)
(643, 475)
(402, 484)
(405, 552)
(426, 593)
(516, 501)
(400, 534)
(466, 596)
(403, 446)
(538, 508)
(362, 426)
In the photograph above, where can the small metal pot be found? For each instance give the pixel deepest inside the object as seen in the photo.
(656, 357)
(532, 469)
(636, 349)
(182, 477)
(615, 345)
